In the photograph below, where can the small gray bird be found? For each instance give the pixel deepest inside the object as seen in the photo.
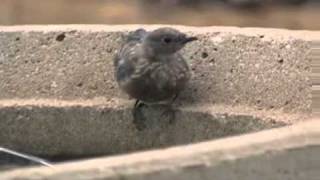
(149, 68)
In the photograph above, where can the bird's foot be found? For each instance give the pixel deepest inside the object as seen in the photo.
(138, 117)
(170, 113)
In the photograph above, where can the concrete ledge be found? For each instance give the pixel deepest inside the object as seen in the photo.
(90, 128)
(58, 96)
(263, 68)
(284, 153)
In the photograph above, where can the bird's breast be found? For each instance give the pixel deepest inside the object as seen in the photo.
(153, 81)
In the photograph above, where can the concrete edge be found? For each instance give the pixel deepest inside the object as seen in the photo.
(117, 103)
(86, 71)
(210, 153)
(248, 31)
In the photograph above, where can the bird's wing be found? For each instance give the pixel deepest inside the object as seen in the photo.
(136, 35)
(126, 59)
(132, 39)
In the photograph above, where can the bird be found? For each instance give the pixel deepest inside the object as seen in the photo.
(149, 68)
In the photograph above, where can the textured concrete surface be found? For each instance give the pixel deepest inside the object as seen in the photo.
(280, 154)
(75, 129)
(58, 96)
(264, 68)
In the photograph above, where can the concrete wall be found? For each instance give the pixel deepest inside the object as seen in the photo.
(58, 95)
(263, 68)
(282, 154)
(58, 98)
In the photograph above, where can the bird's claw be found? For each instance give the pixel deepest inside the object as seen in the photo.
(138, 117)
(170, 112)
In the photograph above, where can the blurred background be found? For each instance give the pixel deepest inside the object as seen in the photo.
(291, 14)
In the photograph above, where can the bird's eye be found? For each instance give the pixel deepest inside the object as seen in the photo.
(167, 40)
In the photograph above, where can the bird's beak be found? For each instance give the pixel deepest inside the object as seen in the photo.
(189, 39)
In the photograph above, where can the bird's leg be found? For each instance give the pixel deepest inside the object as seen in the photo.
(169, 110)
(174, 98)
(138, 117)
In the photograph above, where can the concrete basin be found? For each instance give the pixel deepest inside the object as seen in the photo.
(59, 101)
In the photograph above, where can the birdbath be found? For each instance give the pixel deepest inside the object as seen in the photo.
(245, 112)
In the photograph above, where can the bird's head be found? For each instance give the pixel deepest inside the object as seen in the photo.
(166, 41)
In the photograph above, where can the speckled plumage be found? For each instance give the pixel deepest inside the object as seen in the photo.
(149, 78)
(148, 66)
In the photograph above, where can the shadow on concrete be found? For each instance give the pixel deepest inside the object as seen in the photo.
(77, 132)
